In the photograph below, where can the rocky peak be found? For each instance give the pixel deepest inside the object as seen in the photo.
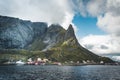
(70, 33)
(53, 33)
(70, 28)
(55, 28)
(39, 28)
(70, 37)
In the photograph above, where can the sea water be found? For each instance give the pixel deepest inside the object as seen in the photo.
(32, 72)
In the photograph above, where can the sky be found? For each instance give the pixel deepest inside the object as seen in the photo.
(96, 22)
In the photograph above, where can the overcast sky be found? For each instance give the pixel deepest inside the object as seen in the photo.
(96, 22)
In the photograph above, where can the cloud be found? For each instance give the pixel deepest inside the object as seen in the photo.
(51, 11)
(80, 6)
(109, 23)
(90, 7)
(95, 8)
(101, 44)
(116, 58)
(67, 20)
(113, 6)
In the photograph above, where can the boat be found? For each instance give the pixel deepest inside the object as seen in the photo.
(20, 62)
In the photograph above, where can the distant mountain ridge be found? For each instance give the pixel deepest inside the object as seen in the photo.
(52, 42)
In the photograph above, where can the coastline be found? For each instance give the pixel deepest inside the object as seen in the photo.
(73, 64)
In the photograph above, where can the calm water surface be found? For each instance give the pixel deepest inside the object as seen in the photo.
(90, 72)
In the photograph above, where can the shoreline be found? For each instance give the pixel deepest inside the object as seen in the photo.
(59, 65)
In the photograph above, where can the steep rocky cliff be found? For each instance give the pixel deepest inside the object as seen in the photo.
(16, 33)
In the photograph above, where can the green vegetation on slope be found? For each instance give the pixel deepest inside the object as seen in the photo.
(37, 45)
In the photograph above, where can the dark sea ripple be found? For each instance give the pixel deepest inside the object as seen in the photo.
(30, 72)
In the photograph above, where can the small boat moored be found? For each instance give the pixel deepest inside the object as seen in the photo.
(20, 62)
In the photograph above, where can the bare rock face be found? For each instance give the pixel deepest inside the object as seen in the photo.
(70, 33)
(53, 35)
(16, 33)
(39, 28)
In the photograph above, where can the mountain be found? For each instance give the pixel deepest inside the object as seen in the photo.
(21, 39)
(16, 33)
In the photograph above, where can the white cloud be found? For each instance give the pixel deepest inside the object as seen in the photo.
(110, 23)
(80, 6)
(113, 6)
(116, 58)
(67, 20)
(51, 11)
(90, 7)
(101, 44)
(95, 7)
